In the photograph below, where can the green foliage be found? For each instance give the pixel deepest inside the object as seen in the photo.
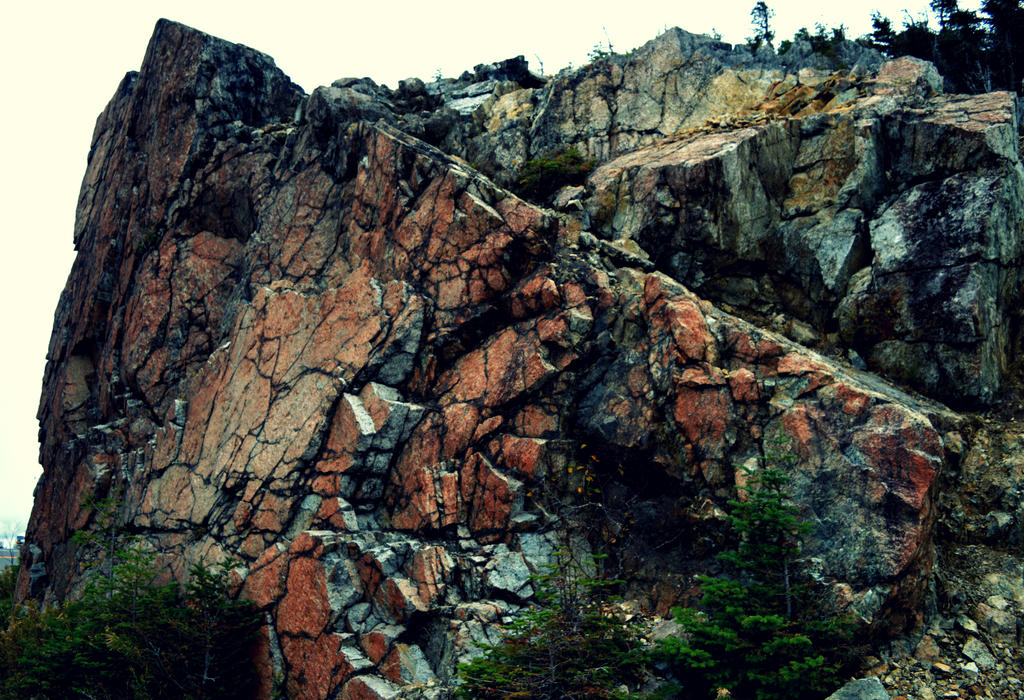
(148, 238)
(883, 37)
(759, 633)
(573, 644)
(602, 49)
(130, 636)
(215, 649)
(944, 9)
(974, 51)
(8, 580)
(823, 41)
(760, 18)
(542, 177)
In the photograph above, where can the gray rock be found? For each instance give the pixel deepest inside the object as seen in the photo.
(975, 650)
(798, 204)
(861, 689)
(358, 660)
(825, 251)
(397, 362)
(856, 361)
(537, 549)
(997, 622)
(329, 108)
(933, 309)
(998, 602)
(672, 82)
(999, 524)
(344, 588)
(614, 104)
(466, 101)
(967, 624)
(568, 196)
(507, 571)
(413, 665)
(358, 616)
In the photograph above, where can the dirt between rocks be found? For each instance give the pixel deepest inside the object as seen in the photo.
(972, 647)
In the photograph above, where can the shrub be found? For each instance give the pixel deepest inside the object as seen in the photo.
(131, 637)
(134, 639)
(573, 644)
(824, 40)
(759, 633)
(542, 177)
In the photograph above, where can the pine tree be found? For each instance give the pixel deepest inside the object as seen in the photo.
(571, 645)
(757, 635)
(760, 17)
(131, 636)
(1005, 19)
(883, 37)
(944, 10)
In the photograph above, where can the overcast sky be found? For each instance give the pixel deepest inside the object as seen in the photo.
(61, 62)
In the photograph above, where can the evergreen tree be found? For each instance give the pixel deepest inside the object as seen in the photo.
(760, 17)
(1005, 19)
(916, 39)
(131, 636)
(572, 645)
(944, 9)
(961, 56)
(8, 582)
(758, 633)
(883, 37)
(974, 53)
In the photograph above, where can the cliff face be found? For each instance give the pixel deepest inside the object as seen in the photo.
(299, 335)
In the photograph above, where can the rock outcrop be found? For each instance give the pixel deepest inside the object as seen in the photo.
(898, 228)
(772, 185)
(299, 335)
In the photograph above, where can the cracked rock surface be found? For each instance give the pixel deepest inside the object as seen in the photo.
(299, 335)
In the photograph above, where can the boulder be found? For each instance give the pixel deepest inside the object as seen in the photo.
(861, 689)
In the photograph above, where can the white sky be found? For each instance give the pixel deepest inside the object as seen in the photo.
(61, 62)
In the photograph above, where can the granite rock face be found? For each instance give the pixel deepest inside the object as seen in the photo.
(299, 335)
(899, 227)
(774, 185)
